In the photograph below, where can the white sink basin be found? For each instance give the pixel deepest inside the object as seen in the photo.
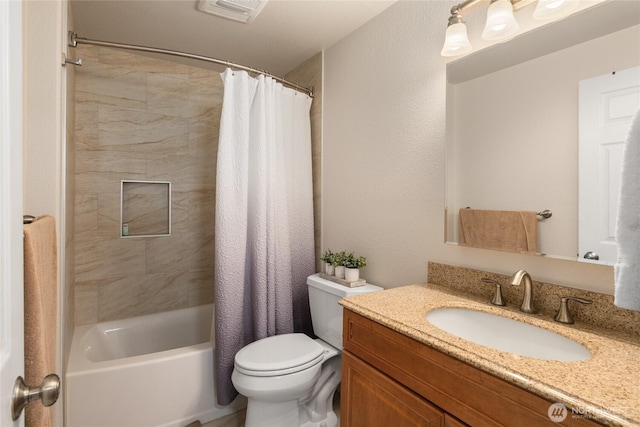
(508, 335)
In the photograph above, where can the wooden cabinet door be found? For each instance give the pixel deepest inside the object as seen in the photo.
(371, 399)
(450, 421)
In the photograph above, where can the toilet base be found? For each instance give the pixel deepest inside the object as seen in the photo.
(330, 421)
(269, 414)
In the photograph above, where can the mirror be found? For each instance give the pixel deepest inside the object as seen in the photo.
(512, 119)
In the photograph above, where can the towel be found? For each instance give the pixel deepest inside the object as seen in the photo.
(511, 231)
(40, 306)
(627, 267)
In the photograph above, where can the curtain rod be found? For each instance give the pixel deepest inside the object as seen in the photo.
(74, 40)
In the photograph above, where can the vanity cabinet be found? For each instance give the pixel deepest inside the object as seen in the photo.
(389, 379)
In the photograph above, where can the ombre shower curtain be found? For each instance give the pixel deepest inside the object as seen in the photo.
(264, 239)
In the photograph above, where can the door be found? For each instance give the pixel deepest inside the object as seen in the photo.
(11, 268)
(371, 399)
(606, 107)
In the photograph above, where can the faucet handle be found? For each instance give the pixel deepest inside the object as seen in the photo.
(564, 315)
(497, 297)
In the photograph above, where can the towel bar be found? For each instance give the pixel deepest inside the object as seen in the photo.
(28, 219)
(545, 214)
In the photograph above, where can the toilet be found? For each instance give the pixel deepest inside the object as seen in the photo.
(289, 380)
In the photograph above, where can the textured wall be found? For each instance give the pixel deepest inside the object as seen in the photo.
(139, 118)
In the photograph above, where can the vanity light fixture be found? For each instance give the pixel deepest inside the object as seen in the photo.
(501, 23)
(456, 40)
(554, 9)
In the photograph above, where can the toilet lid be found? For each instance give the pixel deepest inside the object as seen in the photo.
(279, 355)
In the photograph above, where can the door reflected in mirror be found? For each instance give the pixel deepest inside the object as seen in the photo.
(512, 132)
(607, 106)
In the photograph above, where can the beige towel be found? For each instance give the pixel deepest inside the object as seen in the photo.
(40, 303)
(511, 231)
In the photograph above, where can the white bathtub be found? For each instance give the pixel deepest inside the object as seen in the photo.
(147, 371)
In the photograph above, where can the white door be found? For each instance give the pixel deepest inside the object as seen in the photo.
(11, 268)
(607, 105)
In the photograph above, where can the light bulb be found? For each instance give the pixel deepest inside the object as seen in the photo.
(501, 24)
(554, 9)
(456, 41)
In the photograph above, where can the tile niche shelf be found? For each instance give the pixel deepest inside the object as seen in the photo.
(145, 208)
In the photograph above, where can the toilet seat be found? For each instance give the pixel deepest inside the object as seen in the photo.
(279, 355)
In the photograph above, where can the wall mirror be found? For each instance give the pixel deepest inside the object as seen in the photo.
(512, 119)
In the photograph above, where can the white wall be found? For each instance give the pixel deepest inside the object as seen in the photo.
(384, 156)
(44, 147)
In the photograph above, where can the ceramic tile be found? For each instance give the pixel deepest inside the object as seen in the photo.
(200, 287)
(202, 211)
(109, 215)
(114, 83)
(119, 298)
(86, 215)
(180, 98)
(186, 173)
(180, 211)
(141, 131)
(203, 138)
(181, 252)
(86, 126)
(146, 64)
(86, 303)
(89, 54)
(163, 292)
(98, 258)
(205, 76)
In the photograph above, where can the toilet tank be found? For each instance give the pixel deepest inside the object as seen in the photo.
(326, 313)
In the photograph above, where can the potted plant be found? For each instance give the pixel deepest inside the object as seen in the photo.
(338, 263)
(328, 257)
(353, 266)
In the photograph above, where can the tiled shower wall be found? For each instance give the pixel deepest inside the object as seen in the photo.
(139, 118)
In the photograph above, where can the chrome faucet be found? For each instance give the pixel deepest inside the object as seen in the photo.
(527, 301)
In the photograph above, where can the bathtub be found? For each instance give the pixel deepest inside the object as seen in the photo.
(147, 371)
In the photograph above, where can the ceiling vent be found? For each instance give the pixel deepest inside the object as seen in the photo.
(237, 10)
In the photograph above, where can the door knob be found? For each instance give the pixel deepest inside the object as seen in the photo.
(48, 393)
(591, 255)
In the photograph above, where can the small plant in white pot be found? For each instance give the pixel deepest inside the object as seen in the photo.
(328, 257)
(353, 266)
(338, 263)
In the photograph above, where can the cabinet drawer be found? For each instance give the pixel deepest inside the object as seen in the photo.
(469, 394)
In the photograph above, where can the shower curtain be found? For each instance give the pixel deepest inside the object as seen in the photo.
(264, 239)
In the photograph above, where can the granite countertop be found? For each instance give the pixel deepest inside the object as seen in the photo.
(605, 388)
